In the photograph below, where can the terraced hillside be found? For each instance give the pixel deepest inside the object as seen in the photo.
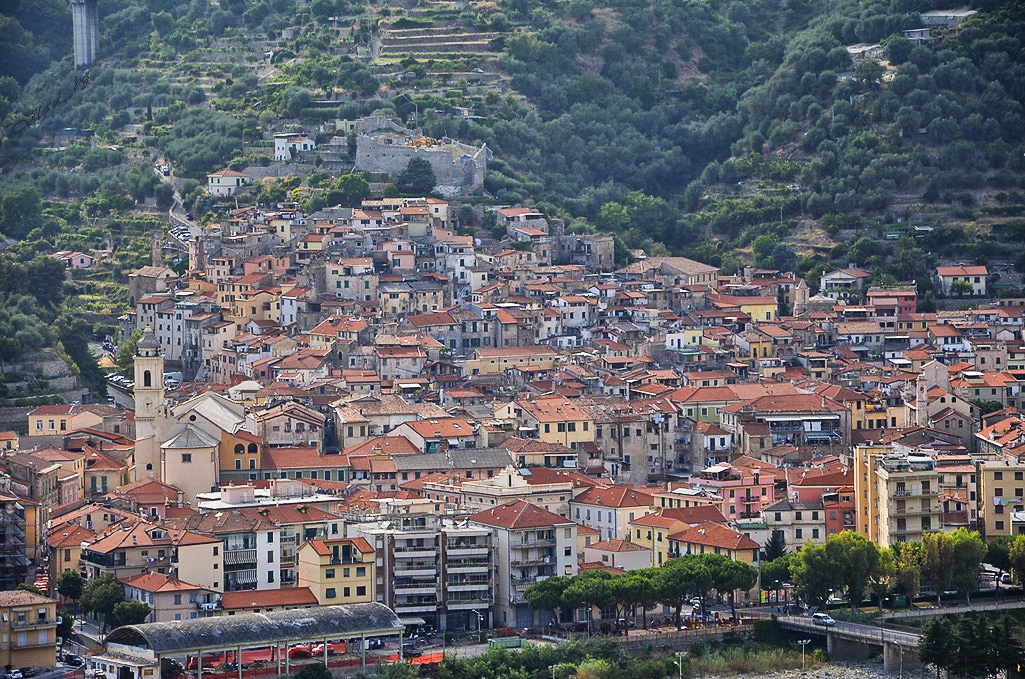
(435, 41)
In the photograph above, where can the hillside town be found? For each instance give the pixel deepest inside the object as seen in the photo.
(362, 406)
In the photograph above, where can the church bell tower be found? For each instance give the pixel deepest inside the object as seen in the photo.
(149, 401)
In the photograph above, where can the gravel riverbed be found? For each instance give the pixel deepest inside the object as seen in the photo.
(864, 670)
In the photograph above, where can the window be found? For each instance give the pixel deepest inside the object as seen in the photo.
(270, 576)
(346, 592)
(798, 533)
(177, 599)
(329, 574)
(361, 571)
(186, 458)
(329, 593)
(270, 556)
(361, 590)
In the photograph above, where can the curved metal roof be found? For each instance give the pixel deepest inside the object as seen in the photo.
(254, 629)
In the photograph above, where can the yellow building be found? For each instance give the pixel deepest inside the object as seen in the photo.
(65, 545)
(28, 630)
(1001, 494)
(555, 419)
(63, 418)
(865, 501)
(489, 361)
(652, 531)
(339, 571)
(239, 451)
(256, 305)
(896, 496)
(715, 538)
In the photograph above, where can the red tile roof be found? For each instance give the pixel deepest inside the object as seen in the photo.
(518, 514)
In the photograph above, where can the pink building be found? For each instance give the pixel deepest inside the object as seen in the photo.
(743, 492)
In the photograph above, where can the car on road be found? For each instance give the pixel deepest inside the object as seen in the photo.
(823, 619)
(73, 660)
(15, 674)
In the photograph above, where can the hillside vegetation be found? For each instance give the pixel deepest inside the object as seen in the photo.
(731, 131)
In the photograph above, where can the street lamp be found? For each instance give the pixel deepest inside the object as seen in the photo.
(555, 668)
(803, 642)
(480, 619)
(680, 655)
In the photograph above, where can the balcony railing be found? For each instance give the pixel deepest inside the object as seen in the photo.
(417, 550)
(23, 624)
(237, 557)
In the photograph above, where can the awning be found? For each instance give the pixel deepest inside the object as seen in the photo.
(235, 557)
(412, 621)
(245, 577)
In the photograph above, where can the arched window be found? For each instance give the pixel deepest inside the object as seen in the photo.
(253, 449)
(149, 467)
(240, 449)
(147, 379)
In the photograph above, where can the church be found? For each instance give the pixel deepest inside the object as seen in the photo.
(185, 445)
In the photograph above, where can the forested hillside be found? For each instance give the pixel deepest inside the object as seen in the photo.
(730, 131)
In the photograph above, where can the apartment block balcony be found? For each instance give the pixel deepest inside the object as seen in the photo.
(415, 569)
(417, 551)
(532, 560)
(916, 510)
(27, 624)
(915, 492)
(481, 601)
(467, 566)
(412, 588)
(239, 557)
(467, 550)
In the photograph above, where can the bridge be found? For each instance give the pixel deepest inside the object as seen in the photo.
(851, 641)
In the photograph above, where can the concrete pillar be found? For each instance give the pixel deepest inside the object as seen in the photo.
(85, 19)
(900, 660)
(846, 649)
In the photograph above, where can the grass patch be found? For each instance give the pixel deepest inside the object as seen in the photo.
(747, 660)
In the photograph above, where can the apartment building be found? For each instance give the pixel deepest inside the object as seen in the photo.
(434, 569)
(28, 630)
(530, 544)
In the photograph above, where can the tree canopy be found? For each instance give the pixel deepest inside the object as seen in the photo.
(418, 179)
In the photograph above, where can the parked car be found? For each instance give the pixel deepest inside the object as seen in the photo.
(73, 660)
(823, 619)
(15, 674)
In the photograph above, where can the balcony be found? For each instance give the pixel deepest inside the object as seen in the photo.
(465, 550)
(467, 604)
(28, 624)
(544, 542)
(239, 557)
(915, 492)
(415, 569)
(532, 561)
(417, 551)
(467, 566)
(415, 588)
(467, 584)
(910, 511)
